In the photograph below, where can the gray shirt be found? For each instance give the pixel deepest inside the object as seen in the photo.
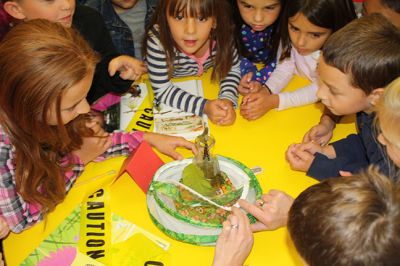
(135, 18)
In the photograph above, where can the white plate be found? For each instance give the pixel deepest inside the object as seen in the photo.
(173, 171)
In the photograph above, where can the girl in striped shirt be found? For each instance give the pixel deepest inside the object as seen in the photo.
(186, 38)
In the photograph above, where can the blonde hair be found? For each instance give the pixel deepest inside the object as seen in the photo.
(388, 112)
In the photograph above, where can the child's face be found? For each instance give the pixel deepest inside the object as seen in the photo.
(392, 150)
(337, 93)
(259, 14)
(73, 102)
(121, 5)
(306, 37)
(56, 10)
(375, 6)
(191, 34)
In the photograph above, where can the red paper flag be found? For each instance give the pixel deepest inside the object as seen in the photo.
(142, 165)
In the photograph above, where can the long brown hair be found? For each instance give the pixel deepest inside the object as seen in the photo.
(39, 61)
(223, 34)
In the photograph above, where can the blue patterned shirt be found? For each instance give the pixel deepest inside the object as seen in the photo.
(258, 46)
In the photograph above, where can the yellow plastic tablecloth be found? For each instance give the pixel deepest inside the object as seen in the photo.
(257, 143)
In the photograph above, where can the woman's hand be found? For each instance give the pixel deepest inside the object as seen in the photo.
(271, 211)
(235, 241)
(167, 144)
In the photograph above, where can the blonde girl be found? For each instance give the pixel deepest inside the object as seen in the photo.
(46, 137)
(388, 117)
(186, 38)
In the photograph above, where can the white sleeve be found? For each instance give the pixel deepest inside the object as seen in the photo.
(299, 97)
(282, 74)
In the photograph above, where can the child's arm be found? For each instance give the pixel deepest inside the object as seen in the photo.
(229, 85)
(322, 133)
(301, 156)
(124, 143)
(91, 26)
(282, 74)
(348, 154)
(299, 97)
(164, 90)
(246, 67)
(129, 68)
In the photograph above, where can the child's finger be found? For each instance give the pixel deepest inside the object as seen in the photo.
(222, 105)
(291, 157)
(112, 67)
(345, 173)
(128, 74)
(143, 69)
(248, 76)
(304, 155)
(248, 100)
(182, 142)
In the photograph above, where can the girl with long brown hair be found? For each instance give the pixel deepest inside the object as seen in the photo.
(46, 135)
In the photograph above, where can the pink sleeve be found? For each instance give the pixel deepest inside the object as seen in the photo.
(123, 143)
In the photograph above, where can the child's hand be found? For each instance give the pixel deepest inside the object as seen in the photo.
(321, 133)
(230, 114)
(244, 85)
(255, 105)
(271, 211)
(247, 86)
(235, 241)
(310, 147)
(313, 148)
(93, 147)
(4, 229)
(129, 67)
(216, 110)
(167, 144)
(1, 259)
(299, 160)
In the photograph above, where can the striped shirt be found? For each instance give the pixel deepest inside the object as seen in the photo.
(18, 213)
(183, 66)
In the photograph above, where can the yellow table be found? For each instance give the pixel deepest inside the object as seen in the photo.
(257, 143)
